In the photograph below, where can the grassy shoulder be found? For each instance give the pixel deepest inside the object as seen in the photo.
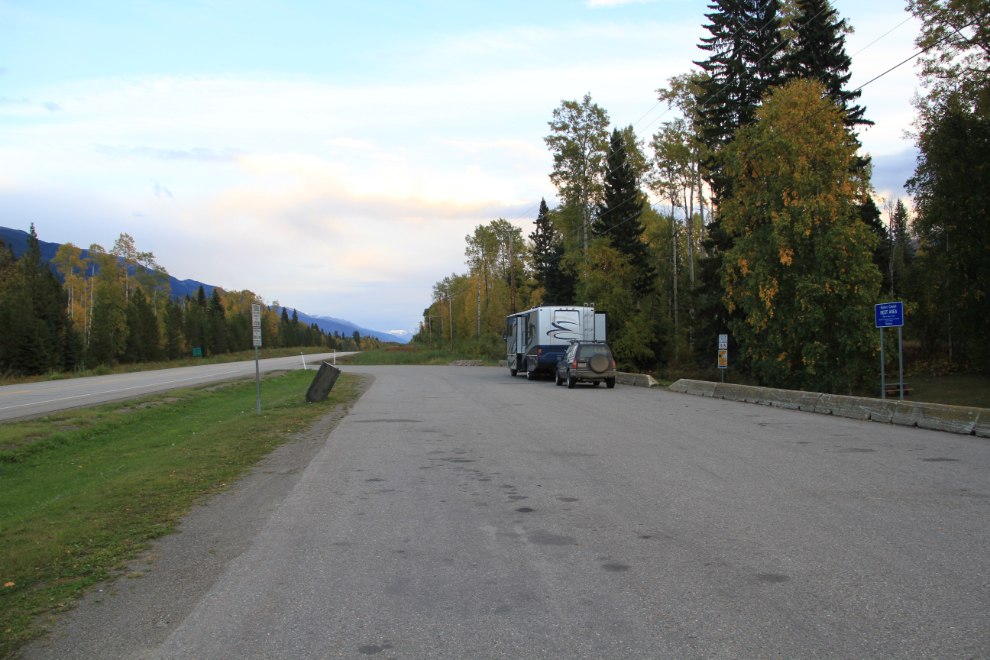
(417, 354)
(953, 389)
(223, 358)
(85, 490)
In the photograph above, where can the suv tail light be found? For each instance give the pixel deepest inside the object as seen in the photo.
(574, 364)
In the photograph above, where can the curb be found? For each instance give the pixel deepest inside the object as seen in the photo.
(932, 416)
(466, 363)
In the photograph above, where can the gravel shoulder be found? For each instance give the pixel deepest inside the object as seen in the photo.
(131, 616)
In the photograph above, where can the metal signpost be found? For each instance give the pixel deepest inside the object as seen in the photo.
(723, 354)
(889, 315)
(256, 325)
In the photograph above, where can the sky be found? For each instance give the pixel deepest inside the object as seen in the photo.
(333, 156)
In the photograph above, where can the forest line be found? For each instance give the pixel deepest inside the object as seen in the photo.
(764, 224)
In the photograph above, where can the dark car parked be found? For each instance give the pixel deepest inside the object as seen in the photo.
(586, 362)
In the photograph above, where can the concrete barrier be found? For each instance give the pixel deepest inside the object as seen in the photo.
(700, 388)
(937, 417)
(503, 363)
(466, 363)
(842, 406)
(790, 399)
(730, 391)
(931, 416)
(638, 380)
(983, 424)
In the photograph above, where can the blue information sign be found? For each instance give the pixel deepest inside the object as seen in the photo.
(890, 315)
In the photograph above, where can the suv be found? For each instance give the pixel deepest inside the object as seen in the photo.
(586, 361)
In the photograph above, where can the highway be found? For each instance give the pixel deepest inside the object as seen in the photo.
(34, 399)
(463, 513)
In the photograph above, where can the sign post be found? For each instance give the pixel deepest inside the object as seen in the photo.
(723, 354)
(889, 315)
(256, 326)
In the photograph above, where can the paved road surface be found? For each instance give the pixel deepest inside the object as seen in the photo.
(462, 513)
(33, 399)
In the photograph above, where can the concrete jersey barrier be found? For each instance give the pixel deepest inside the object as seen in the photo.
(637, 380)
(932, 416)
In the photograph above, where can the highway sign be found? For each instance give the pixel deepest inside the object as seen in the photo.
(723, 342)
(723, 360)
(890, 315)
(256, 316)
(257, 337)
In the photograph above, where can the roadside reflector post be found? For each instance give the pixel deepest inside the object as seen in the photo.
(256, 325)
(304, 360)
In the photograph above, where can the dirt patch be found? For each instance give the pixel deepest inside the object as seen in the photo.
(227, 383)
(146, 404)
(130, 618)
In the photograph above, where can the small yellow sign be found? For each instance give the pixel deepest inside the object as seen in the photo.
(723, 359)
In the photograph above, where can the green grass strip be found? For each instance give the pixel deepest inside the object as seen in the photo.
(81, 492)
(412, 355)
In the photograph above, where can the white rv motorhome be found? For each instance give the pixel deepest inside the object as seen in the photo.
(536, 337)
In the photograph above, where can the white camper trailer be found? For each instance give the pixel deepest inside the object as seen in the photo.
(536, 337)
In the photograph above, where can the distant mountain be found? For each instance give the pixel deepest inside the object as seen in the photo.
(18, 240)
(346, 328)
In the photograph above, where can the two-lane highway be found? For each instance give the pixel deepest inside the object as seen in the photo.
(34, 399)
(463, 513)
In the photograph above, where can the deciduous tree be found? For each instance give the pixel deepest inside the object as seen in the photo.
(800, 266)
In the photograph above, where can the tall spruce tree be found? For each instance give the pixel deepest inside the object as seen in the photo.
(173, 329)
(217, 324)
(36, 334)
(618, 215)
(548, 251)
(818, 50)
(745, 61)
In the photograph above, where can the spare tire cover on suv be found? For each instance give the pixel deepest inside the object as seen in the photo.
(599, 363)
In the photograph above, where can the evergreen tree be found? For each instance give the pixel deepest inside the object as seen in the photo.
(195, 322)
(173, 330)
(548, 251)
(951, 188)
(618, 216)
(745, 62)
(284, 334)
(217, 324)
(818, 50)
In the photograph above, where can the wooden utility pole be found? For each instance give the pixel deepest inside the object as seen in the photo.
(450, 310)
(512, 272)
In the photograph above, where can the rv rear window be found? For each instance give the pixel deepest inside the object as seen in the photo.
(588, 351)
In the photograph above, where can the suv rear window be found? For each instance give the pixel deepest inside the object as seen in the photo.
(588, 351)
